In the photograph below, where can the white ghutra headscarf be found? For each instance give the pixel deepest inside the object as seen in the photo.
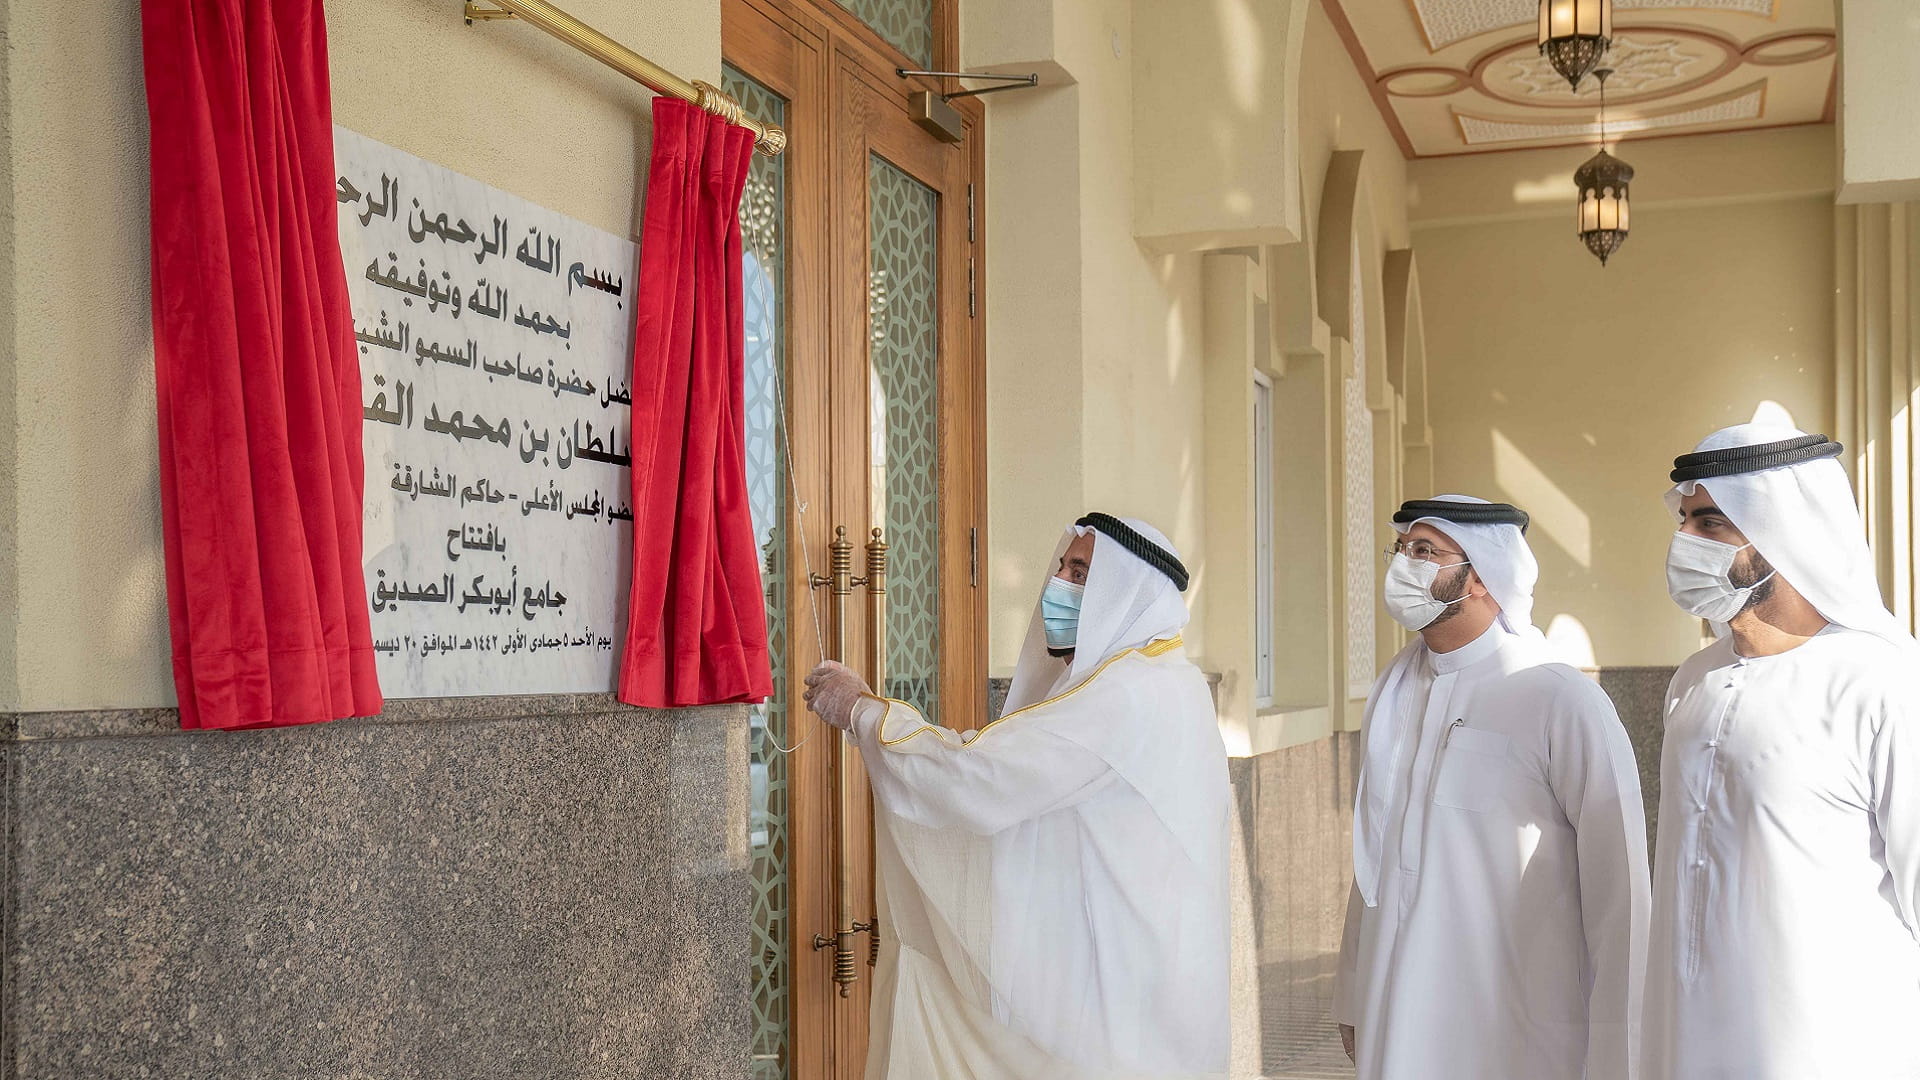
(1506, 566)
(1128, 603)
(1798, 514)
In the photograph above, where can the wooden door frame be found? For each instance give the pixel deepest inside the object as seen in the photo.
(859, 52)
(879, 123)
(813, 53)
(788, 56)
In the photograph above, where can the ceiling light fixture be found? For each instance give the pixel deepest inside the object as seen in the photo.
(1574, 35)
(1602, 182)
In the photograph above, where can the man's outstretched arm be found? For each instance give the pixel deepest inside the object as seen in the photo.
(982, 781)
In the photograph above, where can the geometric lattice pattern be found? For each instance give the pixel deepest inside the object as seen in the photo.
(1480, 130)
(1639, 63)
(907, 25)
(903, 351)
(1448, 21)
(762, 228)
(1357, 471)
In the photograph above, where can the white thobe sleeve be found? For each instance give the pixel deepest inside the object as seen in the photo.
(983, 783)
(1896, 807)
(1346, 979)
(1591, 766)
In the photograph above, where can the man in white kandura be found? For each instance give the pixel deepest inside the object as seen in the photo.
(1056, 880)
(1497, 924)
(1789, 854)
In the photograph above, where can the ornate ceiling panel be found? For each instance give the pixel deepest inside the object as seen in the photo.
(1447, 21)
(1482, 130)
(1465, 76)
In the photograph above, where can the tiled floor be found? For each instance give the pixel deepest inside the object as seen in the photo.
(1300, 1041)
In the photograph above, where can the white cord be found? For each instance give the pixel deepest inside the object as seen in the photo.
(806, 554)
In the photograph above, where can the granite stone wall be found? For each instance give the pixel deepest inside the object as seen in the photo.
(509, 888)
(1296, 811)
(1639, 696)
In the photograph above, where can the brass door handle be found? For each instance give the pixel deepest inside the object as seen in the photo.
(876, 583)
(839, 580)
(877, 671)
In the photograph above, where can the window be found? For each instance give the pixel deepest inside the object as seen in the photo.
(1262, 541)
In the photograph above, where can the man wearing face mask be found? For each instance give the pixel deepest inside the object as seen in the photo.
(1787, 885)
(1496, 928)
(1055, 882)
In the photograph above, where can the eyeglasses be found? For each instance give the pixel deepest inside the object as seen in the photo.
(1420, 551)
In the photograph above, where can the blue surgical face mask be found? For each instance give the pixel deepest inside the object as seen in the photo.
(1060, 612)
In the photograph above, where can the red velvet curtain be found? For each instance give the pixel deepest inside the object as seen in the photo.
(256, 368)
(696, 627)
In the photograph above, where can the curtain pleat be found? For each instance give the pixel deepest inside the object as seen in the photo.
(696, 629)
(255, 367)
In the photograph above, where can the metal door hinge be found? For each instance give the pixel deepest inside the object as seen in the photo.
(973, 557)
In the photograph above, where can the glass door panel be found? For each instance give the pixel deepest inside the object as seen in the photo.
(763, 277)
(903, 329)
(906, 25)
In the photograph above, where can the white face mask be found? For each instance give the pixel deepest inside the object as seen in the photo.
(1409, 592)
(1700, 577)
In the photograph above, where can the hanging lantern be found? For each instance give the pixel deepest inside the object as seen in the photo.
(1574, 35)
(1603, 203)
(1602, 183)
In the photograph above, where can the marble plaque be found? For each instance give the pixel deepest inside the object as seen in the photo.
(496, 342)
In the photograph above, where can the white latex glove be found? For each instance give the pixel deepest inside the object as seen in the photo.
(833, 690)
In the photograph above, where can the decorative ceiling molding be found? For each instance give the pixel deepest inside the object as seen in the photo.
(1748, 103)
(1418, 82)
(1639, 64)
(1795, 47)
(1444, 22)
(1649, 64)
(1683, 65)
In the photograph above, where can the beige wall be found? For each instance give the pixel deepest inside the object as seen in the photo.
(1096, 351)
(1708, 170)
(1568, 388)
(1337, 113)
(82, 578)
(1093, 375)
(1142, 439)
(1307, 349)
(1877, 362)
(1216, 140)
(1879, 83)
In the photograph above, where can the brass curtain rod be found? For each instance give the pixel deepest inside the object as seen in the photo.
(767, 139)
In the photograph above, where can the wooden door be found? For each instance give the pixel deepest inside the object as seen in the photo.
(866, 403)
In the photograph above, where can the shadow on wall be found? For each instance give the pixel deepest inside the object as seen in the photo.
(1569, 389)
